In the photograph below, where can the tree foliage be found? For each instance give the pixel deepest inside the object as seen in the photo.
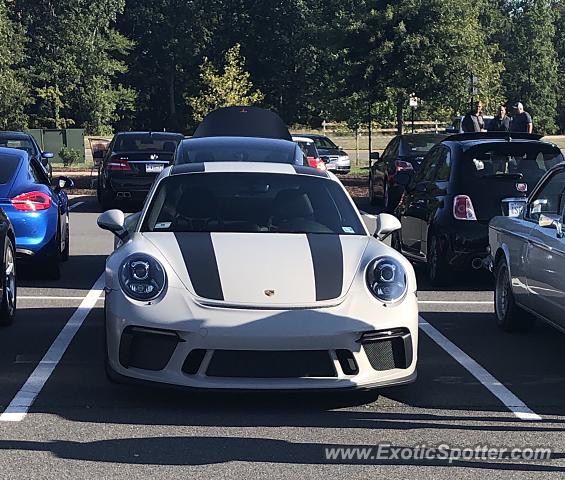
(230, 88)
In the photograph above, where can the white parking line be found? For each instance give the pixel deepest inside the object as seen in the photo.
(75, 205)
(511, 401)
(455, 302)
(44, 297)
(22, 402)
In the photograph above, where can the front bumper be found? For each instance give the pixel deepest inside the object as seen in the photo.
(342, 166)
(198, 346)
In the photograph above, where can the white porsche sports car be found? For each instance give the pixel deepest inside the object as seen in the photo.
(257, 276)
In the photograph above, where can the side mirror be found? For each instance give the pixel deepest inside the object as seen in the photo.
(113, 221)
(386, 224)
(548, 222)
(403, 178)
(374, 156)
(47, 155)
(63, 183)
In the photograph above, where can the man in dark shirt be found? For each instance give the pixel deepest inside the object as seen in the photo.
(501, 122)
(522, 120)
(473, 121)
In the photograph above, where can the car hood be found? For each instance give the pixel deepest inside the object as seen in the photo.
(263, 270)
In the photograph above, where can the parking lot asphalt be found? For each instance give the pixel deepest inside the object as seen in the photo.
(82, 426)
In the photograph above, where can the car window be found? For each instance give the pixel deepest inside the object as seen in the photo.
(8, 166)
(324, 142)
(428, 169)
(526, 161)
(251, 203)
(419, 145)
(444, 165)
(550, 199)
(20, 143)
(146, 143)
(37, 174)
(308, 148)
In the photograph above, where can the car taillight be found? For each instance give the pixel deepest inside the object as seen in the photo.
(31, 202)
(402, 165)
(118, 163)
(316, 163)
(463, 208)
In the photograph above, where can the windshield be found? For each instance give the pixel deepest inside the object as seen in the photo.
(19, 143)
(250, 203)
(239, 149)
(324, 142)
(8, 166)
(527, 161)
(146, 143)
(419, 145)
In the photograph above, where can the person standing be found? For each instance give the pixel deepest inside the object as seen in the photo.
(473, 121)
(521, 120)
(501, 122)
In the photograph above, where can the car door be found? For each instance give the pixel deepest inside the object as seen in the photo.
(379, 170)
(546, 250)
(415, 208)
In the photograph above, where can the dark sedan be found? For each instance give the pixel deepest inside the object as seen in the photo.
(131, 163)
(404, 153)
(462, 184)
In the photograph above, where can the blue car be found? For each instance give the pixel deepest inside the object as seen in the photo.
(38, 211)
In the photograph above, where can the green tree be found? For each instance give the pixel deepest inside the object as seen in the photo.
(73, 57)
(230, 88)
(531, 62)
(560, 48)
(14, 90)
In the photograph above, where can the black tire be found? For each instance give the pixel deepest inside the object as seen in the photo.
(389, 200)
(52, 264)
(67, 249)
(509, 316)
(439, 273)
(9, 286)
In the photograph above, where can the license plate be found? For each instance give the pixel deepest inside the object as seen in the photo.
(154, 167)
(515, 209)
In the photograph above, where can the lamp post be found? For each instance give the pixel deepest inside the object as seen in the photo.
(413, 105)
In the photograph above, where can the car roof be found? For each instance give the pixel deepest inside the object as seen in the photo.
(15, 134)
(152, 134)
(248, 167)
(243, 122)
(14, 152)
(297, 138)
(469, 140)
(311, 135)
(259, 141)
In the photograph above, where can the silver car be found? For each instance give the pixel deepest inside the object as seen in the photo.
(528, 258)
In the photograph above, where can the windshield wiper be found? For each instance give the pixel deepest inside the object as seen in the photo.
(514, 176)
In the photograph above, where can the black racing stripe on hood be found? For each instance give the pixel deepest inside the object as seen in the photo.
(327, 257)
(200, 259)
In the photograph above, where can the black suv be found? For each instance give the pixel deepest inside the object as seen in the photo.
(131, 163)
(463, 183)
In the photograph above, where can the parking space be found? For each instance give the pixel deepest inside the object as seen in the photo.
(109, 430)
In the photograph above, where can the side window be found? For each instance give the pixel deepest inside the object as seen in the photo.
(430, 165)
(36, 174)
(550, 200)
(444, 166)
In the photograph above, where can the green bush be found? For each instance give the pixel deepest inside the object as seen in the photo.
(69, 156)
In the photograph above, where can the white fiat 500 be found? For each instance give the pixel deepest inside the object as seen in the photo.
(257, 276)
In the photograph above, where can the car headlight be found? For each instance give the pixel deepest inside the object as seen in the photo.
(142, 277)
(343, 157)
(386, 279)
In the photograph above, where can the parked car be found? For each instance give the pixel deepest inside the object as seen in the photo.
(457, 124)
(26, 141)
(463, 183)
(38, 212)
(308, 146)
(335, 158)
(224, 283)
(8, 301)
(404, 153)
(528, 258)
(131, 163)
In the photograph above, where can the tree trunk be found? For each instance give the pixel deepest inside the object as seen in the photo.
(399, 117)
(172, 104)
